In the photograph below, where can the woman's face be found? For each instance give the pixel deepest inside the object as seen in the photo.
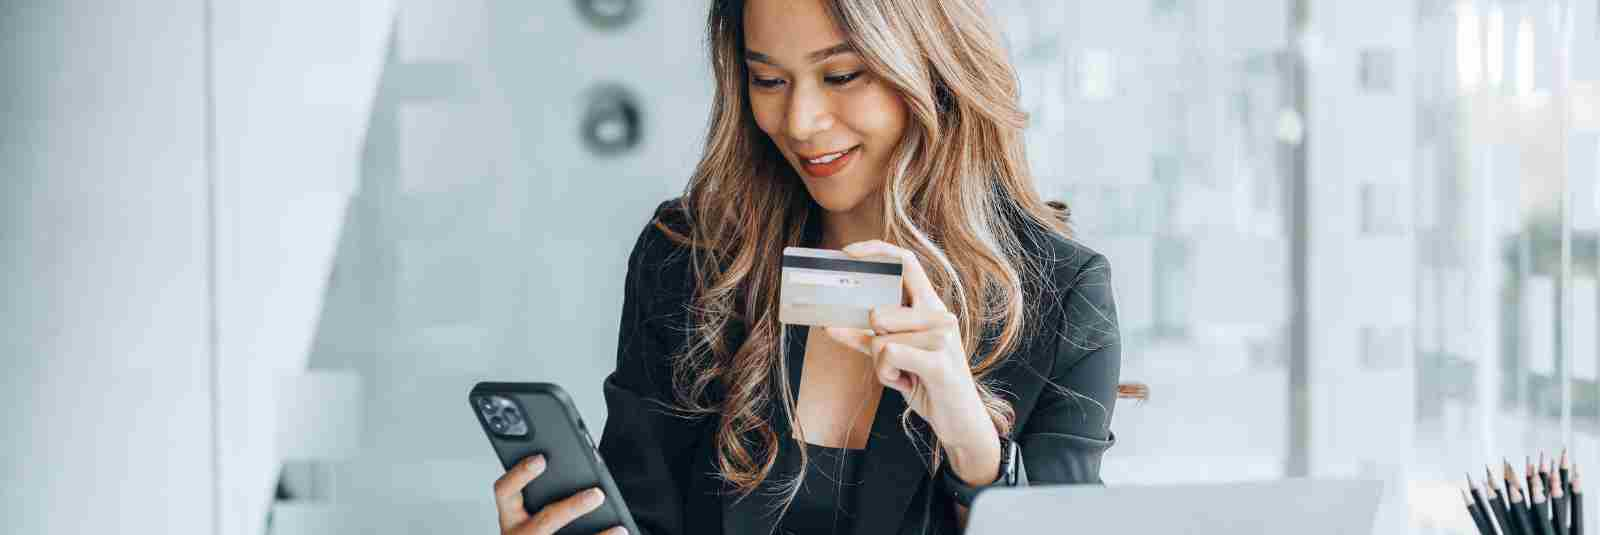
(833, 121)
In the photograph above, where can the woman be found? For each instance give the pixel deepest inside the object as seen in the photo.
(885, 128)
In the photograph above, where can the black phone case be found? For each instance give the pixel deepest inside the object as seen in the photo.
(572, 463)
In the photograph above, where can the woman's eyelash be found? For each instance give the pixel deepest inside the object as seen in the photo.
(843, 78)
(765, 82)
(768, 83)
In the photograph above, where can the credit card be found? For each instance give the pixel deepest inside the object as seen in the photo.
(828, 288)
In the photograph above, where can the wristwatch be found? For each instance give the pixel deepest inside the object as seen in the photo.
(964, 493)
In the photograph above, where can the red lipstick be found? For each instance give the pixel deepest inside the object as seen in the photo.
(829, 168)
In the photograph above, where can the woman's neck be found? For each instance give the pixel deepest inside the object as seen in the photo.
(862, 223)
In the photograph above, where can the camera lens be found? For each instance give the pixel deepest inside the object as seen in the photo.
(496, 423)
(511, 414)
(485, 404)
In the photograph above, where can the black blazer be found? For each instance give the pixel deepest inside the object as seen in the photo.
(664, 463)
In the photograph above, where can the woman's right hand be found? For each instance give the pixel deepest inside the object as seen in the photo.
(515, 520)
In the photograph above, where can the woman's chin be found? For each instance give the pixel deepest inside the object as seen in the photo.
(834, 201)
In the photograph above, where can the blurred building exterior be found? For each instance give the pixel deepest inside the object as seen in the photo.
(1449, 292)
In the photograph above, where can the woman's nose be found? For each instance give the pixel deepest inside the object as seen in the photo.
(809, 114)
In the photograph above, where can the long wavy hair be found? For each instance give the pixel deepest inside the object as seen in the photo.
(958, 186)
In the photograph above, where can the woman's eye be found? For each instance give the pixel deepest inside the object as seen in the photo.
(843, 78)
(765, 83)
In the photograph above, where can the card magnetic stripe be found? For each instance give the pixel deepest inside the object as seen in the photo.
(840, 264)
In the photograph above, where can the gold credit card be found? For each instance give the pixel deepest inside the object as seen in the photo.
(829, 288)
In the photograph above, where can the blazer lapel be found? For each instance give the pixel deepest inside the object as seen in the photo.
(755, 514)
(752, 515)
(704, 507)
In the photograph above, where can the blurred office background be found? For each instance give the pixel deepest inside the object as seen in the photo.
(255, 253)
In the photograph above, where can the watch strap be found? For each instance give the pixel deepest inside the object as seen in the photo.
(964, 494)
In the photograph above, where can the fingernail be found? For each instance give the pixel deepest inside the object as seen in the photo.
(596, 496)
(536, 464)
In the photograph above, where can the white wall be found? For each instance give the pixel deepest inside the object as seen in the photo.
(295, 81)
(485, 243)
(493, 244)
(103, 324)
(121, 419)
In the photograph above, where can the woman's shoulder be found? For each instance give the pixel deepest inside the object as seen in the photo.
(1065, 260)
(665, 236)
(672, 215)
(1077, 285)
(660, 258)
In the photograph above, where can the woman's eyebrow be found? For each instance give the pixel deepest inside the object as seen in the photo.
(815, 57)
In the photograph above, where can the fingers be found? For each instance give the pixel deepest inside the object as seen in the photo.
(615, 530)
(892, 362)
(920, 351)
(916, 279)
(557, 515)
(878, 347)
(930, 332)
(857, 339)
(902, 319)
(928, 340)
(508, 490)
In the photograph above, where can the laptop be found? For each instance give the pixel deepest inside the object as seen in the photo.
(1299, 506)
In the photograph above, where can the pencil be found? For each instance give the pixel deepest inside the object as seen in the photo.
(1528, 475)
(1549, 495)
(1483, 505)
(1519, 506)
(1576, 497)
(1477, 514)
(1538, 512)
(1484, 527)
(1558, 511)
(1498, 500)
(1519, 509)
(1566, 473)
(1558, 499)
(1544, 471)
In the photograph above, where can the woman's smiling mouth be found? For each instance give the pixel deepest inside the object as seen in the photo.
(828, 164)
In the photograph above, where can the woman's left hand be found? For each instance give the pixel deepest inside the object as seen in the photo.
(917, 351)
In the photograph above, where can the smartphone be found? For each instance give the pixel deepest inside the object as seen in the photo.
(522, 419)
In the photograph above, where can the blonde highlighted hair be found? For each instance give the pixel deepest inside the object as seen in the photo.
(957, 190)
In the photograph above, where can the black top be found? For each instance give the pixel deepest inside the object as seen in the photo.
(1061, 383)
(825, 503)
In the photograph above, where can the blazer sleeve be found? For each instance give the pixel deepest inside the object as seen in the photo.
(1069, 429)
(645, 445)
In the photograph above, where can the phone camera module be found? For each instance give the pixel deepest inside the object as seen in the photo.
(502, 416)
(516, 425)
